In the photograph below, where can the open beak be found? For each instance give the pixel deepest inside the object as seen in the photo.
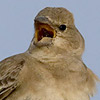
(42, 29)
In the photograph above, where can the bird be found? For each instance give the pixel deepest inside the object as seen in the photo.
(52, 67)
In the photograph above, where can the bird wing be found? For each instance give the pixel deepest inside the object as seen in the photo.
(9, 71)
(91, 80)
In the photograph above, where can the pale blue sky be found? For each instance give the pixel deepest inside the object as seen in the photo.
(16, 26)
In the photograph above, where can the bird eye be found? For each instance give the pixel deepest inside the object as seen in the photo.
(62, 27)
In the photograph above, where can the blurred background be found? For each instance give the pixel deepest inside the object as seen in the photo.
(17, 28)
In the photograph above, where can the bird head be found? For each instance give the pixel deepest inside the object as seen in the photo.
(54, 28)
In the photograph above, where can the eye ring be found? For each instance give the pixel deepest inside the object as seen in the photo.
(62, 27)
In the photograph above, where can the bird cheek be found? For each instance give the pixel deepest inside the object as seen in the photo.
(59, 42)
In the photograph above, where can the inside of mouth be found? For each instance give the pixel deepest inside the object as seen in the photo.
(43, 30)
(45, 33)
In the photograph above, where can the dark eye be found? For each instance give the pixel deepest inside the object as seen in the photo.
(62, 27)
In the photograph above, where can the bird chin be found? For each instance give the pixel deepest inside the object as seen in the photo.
(45, 41)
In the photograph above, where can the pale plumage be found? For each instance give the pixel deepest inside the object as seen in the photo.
(52, 68)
